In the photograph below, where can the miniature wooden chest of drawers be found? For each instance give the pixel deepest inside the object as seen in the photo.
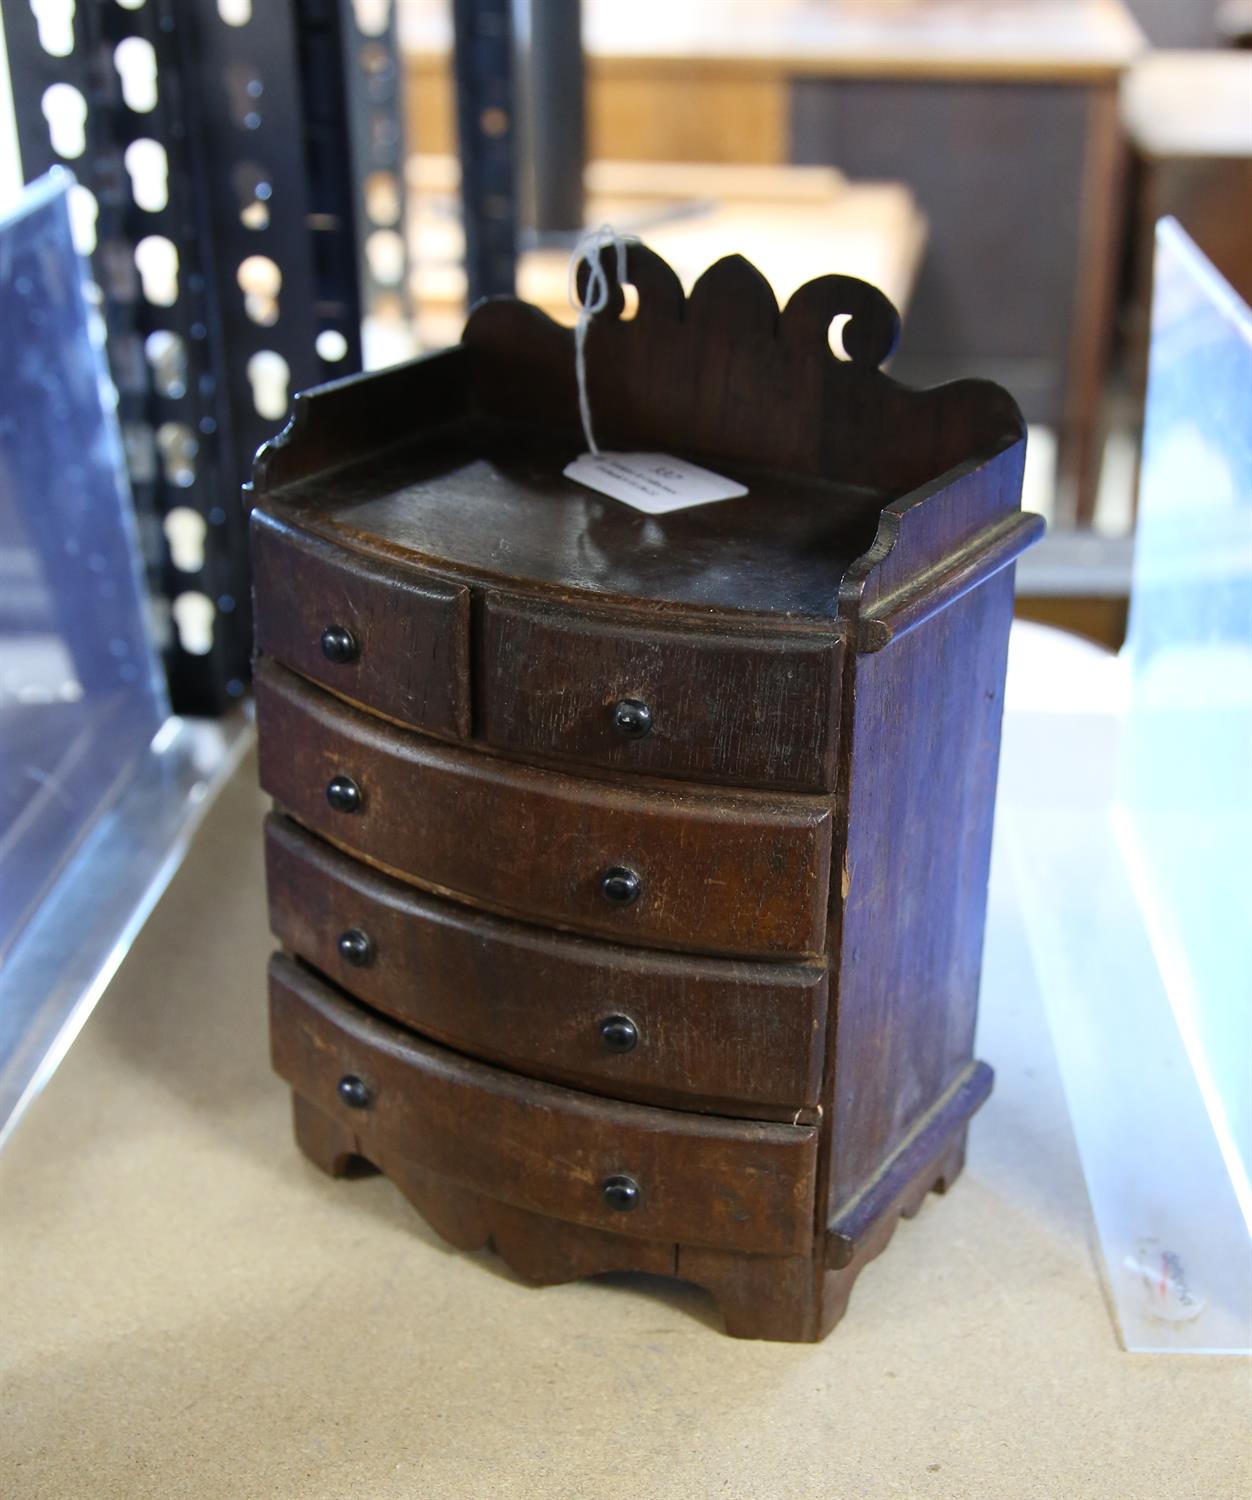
(630, 870)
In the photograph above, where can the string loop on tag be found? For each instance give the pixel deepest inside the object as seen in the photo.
(599, 289)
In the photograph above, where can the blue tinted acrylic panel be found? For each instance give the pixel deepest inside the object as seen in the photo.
(1126, 814)
(1186, 788)
(81, 694)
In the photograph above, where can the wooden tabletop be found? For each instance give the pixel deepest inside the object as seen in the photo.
(191, 1309)
(793, 223)
(1190, 104)
(1059, 40)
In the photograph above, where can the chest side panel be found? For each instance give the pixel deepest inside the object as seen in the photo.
(921, 795)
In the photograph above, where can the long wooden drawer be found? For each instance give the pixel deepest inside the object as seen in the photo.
(389, 638)
(712, 704)
(739, 874)
(659, 1174)
(659, 1027)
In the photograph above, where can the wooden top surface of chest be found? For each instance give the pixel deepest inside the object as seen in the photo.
(494, 504)
(455, 462)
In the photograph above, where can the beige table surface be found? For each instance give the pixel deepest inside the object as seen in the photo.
(192, 1310)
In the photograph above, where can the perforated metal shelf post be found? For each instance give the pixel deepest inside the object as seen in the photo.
(228, 155)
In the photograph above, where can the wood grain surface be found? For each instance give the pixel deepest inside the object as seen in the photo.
(490, 502)
(776, 719)
(743, 1185)
(411, 632)
(744, 1038)
(726, 706)
(744, 874)
(923, 758)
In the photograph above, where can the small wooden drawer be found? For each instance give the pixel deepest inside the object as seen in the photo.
(717, 705)
(653, 1173)
(387, 638)
(659, 1027)
(741, 874)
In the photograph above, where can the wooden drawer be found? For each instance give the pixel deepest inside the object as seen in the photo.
(758, 709)
(739, 874)
(406, 651)
(734, 1184)
(710, 1033)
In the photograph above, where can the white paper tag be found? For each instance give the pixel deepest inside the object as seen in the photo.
(651, 482)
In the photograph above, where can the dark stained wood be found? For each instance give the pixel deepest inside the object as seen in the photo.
(929, 1143)
(489, 500)
(724, 374)
(922, 536)
(721, 873)
(363, 415)
(411, 632)
(738, 1184)
(757, 709)
(924, 596)
(922, 756)
(822, 444)
(790, 1297)
(831, 649)
(933, 1176)
(536, 1246)
(760, 1296)
(747, 1038)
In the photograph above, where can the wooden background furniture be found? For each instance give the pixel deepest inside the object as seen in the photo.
(631, 870)
(1188, 117)
(1000, 118)
(791, 222)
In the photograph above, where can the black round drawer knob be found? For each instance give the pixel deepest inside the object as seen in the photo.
(339, 644)
(354, 1092)
(344, 795)
(621, 1193)
(620, 885)
(619, 1033)
(356, 947)
(632, 718)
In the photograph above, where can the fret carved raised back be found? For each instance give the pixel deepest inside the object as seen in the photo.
(725, 374)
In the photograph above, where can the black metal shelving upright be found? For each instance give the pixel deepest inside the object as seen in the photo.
(375, 97)
(227, 154)
(486, 129)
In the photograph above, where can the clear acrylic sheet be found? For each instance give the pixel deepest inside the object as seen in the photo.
(81, 694)
(100, 789)
(1128, 818)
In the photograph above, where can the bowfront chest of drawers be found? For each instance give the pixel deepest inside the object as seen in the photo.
(629, 871)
